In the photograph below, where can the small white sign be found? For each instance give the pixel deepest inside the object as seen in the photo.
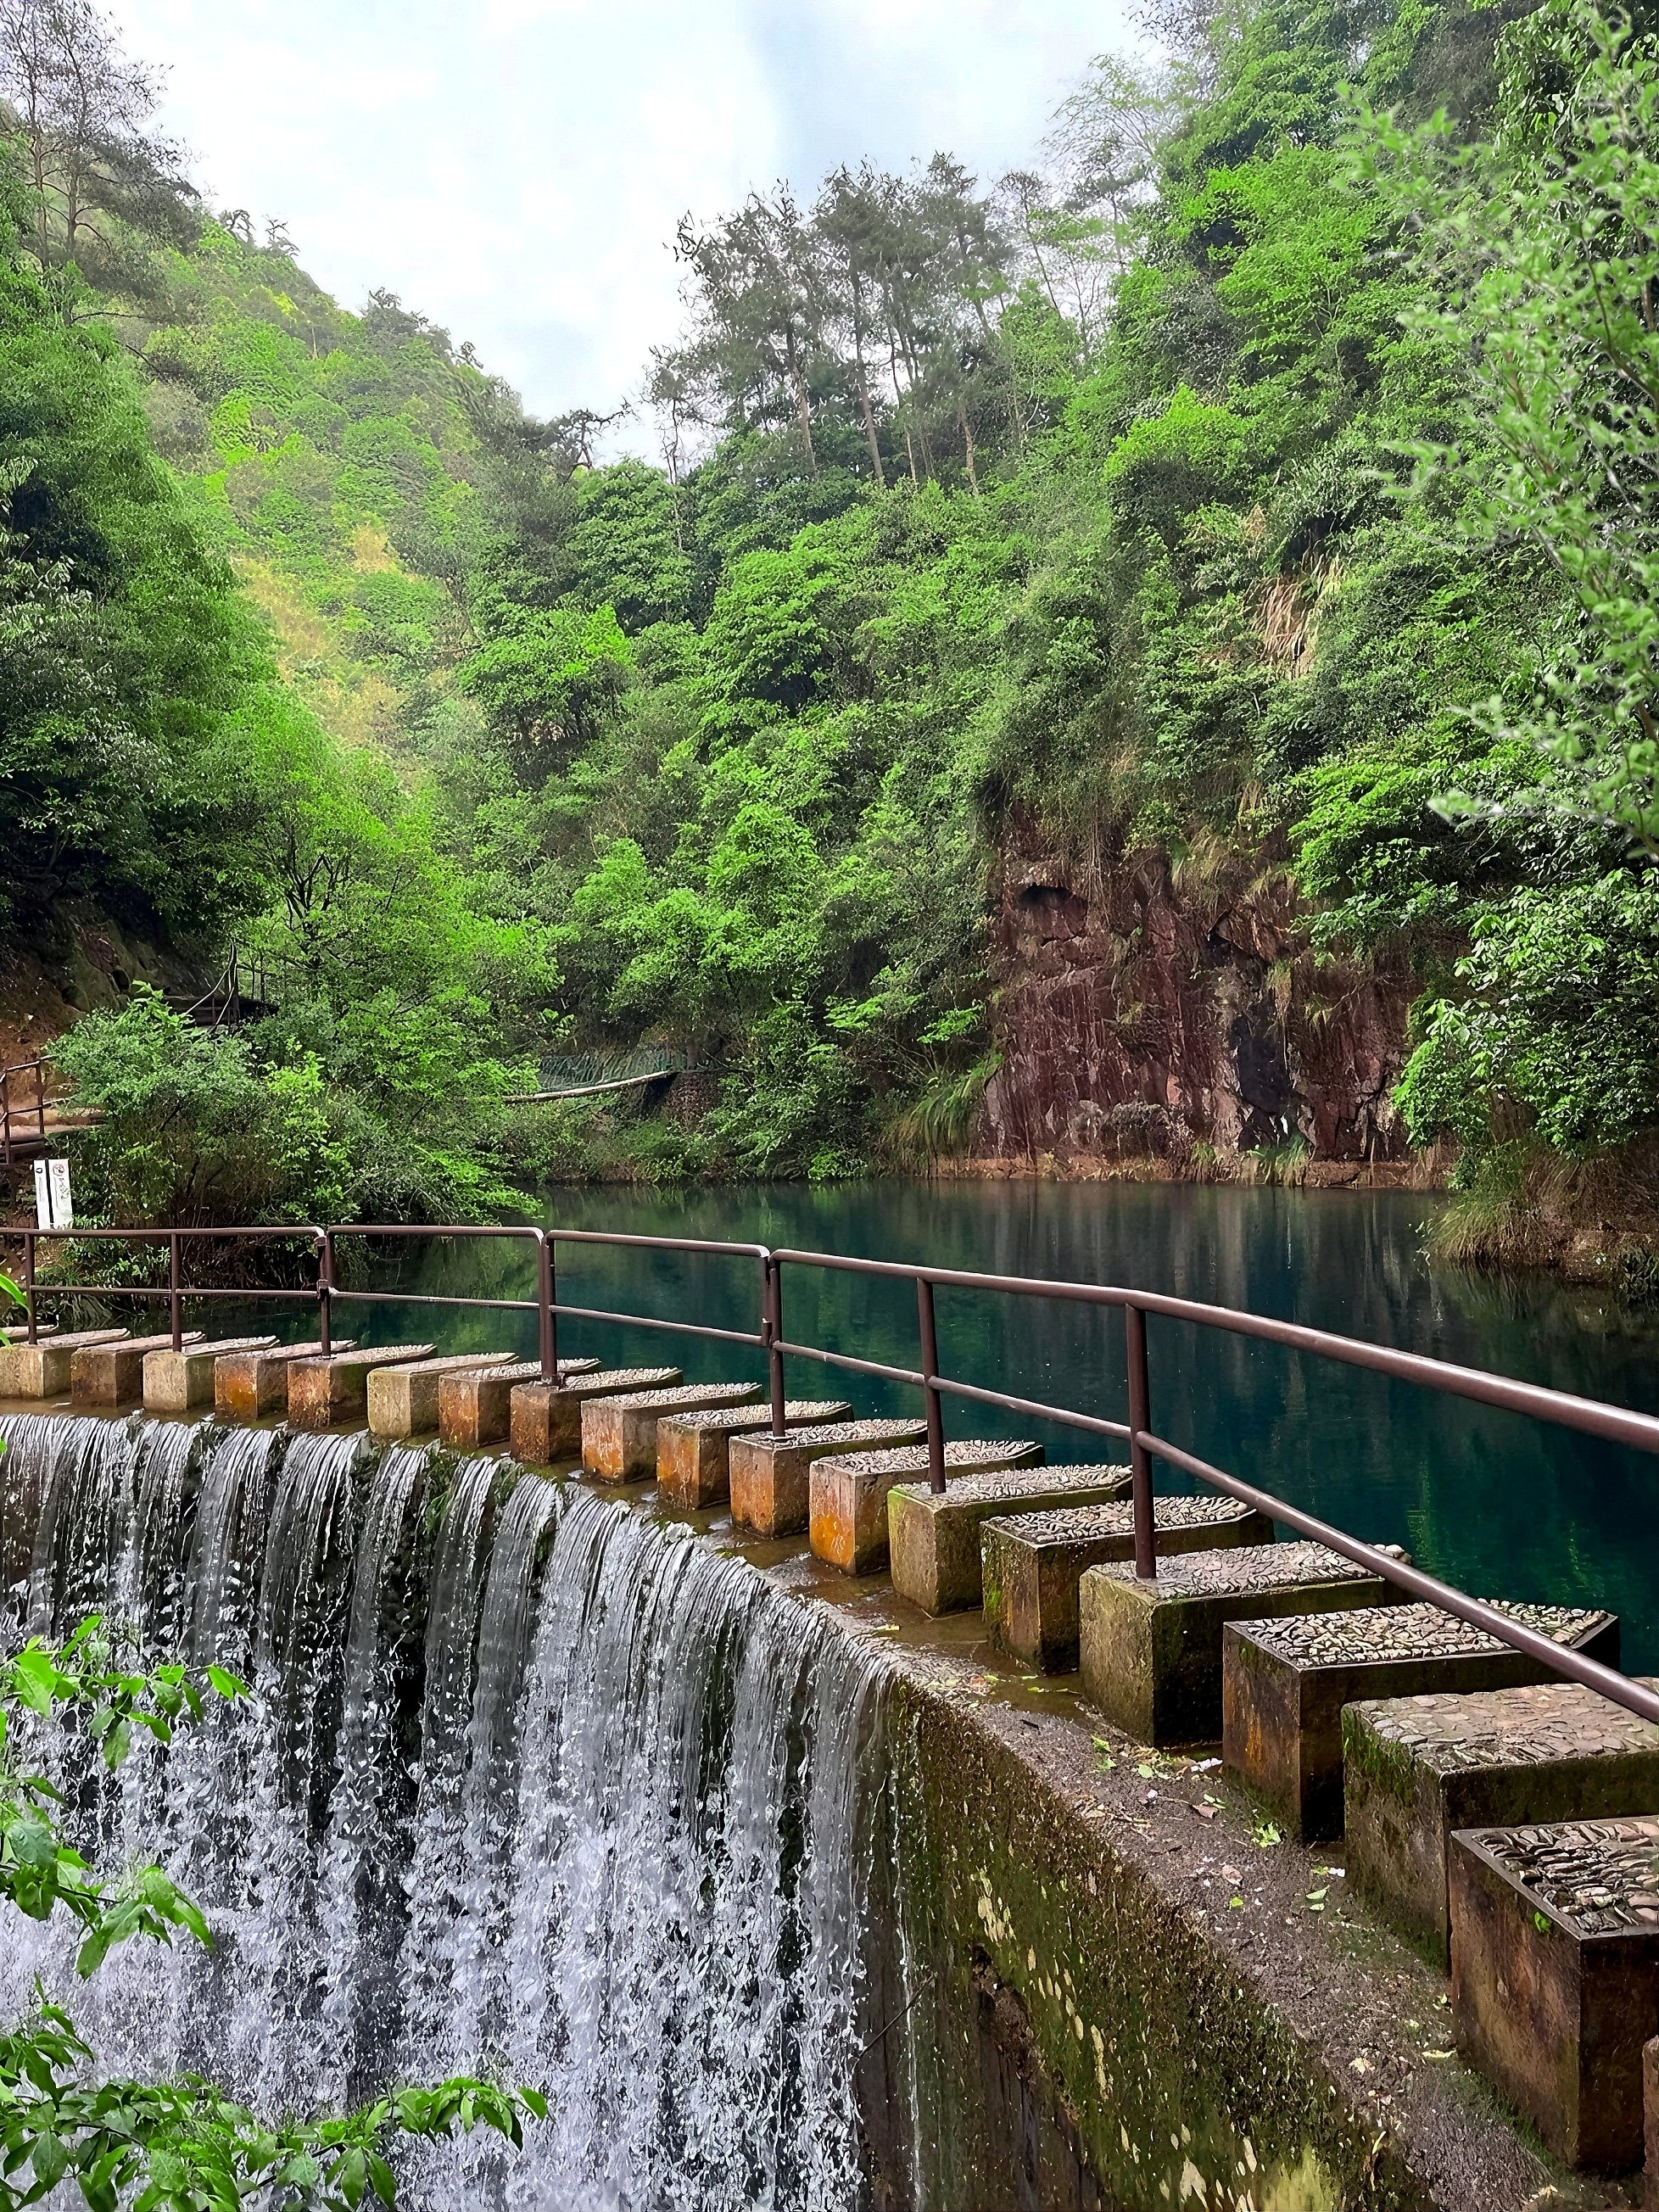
(54, 1204)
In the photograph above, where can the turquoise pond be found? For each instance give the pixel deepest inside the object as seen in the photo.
(1498, 1504)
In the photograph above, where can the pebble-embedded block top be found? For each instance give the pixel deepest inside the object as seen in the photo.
(686, 1394)
(221, 1347)
(1408, 1632)
(364, 1355)
(1083, 1524)
(1248, 1567)
(991, 1485)
(745, 1417)
(530, 1370)
(457, 1363)
(1537, 1725)
(60, 1340)
(108, 1347)
(610, 1378)
(912, 1459)
(1600, 1877)
(844, 1432)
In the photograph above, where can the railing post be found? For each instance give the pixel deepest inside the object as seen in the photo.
(547, 1319)
(930, 1393)
(325, 1290)
(1140, 1462)
(28, 1286)
(5, 1115)
(175, 1309)
(772, 1335)
(40, 1095)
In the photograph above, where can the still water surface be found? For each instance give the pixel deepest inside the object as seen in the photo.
(1497, 1503)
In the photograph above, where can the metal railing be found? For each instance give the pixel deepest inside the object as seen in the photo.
(245, 980)
(1611, 1423)
(20, 1123)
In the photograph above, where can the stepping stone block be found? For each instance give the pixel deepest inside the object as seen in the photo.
(42, 1370)
(1555, 1975)
(175, 1382)
(545, 1420)
(1033, 1565)
(1151, 1651)
(475, 1403)
(934, 1536)
(249, 1386)
(1284, 1684)
(1415, 1768)
(619, 1435)
(848, 1494)
(402, 1401)
(112, 1373)
(694, 1451)
(324, 1392)
(771, 1482)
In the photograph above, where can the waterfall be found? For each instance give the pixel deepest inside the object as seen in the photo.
(525, 1781)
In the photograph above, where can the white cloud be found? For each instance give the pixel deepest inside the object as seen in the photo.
(515, 169)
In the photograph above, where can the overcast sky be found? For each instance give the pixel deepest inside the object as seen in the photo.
(514, 169)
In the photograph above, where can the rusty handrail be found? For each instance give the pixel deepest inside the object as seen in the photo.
(1616, 1424)
(37, 1067)
(1613, 1423)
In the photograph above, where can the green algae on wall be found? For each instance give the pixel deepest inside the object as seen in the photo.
(1083, 2041)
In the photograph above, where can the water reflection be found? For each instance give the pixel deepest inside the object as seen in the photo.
(1498, 1504)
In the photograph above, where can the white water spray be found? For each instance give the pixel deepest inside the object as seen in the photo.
(527, 1784)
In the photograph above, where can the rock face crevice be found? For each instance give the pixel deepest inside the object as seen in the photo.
(1146, 1011)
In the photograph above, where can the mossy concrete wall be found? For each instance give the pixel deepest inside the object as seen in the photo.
(1133, 2040)
(1093, 2022)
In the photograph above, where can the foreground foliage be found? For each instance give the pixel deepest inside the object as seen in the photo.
(179, 2145)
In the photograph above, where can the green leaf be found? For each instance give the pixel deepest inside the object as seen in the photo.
(50, 2161)
(96, 1949)
(32, 1843)
(38, 1680)
(350, 2177)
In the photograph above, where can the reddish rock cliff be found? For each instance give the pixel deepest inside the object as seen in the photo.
(1143, 1012)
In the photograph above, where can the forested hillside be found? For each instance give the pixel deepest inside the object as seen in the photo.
(1236, 532)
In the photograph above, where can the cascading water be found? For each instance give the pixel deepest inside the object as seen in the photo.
(526, 1783)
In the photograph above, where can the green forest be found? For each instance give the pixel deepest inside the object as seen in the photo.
(1266, 477)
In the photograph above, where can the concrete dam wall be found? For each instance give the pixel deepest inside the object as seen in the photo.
(780, 1905)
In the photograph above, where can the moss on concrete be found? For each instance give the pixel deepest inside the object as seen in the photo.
(1177, 2084)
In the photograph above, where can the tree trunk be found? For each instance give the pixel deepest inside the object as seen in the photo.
(865, 408)
(967, 442)
(898, 396)
(803, 409)
(913, 364)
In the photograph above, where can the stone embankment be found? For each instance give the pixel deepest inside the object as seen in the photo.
(1155, 1019)
(1189, 1856)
